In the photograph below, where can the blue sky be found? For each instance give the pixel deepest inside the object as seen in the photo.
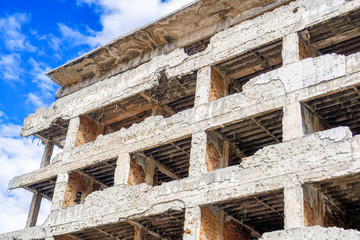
(36, 36)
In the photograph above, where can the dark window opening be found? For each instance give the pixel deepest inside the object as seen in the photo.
(337, 203)
(338, 35)
(196, 47)
(170, 162)
(341, 108)
(239, 70)
(56, 133)
(252, 215)
(247, 136)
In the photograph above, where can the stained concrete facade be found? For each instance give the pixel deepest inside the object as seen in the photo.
(224, 120)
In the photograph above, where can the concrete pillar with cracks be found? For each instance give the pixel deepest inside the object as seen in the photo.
(198, 154)
(122, 169)
(203, 84)
(59, 191)
(293, 206)
(72, 133)
(192, 223)
(292, 121)
(290, 51)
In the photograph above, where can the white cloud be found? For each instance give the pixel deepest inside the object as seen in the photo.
(76, 37)
(3, 116)
(10, 69)
(10, 32)
(34, 100)
(38, 75)
(17, 156)
(120, 17)
(9, 130)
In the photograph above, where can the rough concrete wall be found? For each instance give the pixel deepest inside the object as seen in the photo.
(310, 233)
(208, 228)
(33, 233)
(234, 231)
(136, 174)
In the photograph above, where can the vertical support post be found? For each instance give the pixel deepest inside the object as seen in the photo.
(192, 223)
(34, 210)
(225, 155)
(140, 233)
(72, 133)
(49, 147)
(150, 173)
(293, 206)
(292, 121)
(203, 82)
(198, 154)
(220, 225)
(36, 199)
(122, 169)
(59, 191)
(290, 49)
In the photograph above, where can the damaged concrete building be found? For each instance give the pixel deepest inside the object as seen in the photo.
(227, 119)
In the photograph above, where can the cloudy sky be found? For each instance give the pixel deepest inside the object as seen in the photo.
(36, 36)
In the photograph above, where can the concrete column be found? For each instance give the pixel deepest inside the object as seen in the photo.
(34, 210)
(290, 51)
(72, 133)
(59, 191)
(49, 147)
(36, 199)
(293, 206)
(198, 154)
(203, 83)
(292, 121)
(192, 223)
(122, 169)
(150, 173)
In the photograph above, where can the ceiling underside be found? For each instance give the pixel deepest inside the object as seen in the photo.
(339, 35)
(341, 108)
(253, 133)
